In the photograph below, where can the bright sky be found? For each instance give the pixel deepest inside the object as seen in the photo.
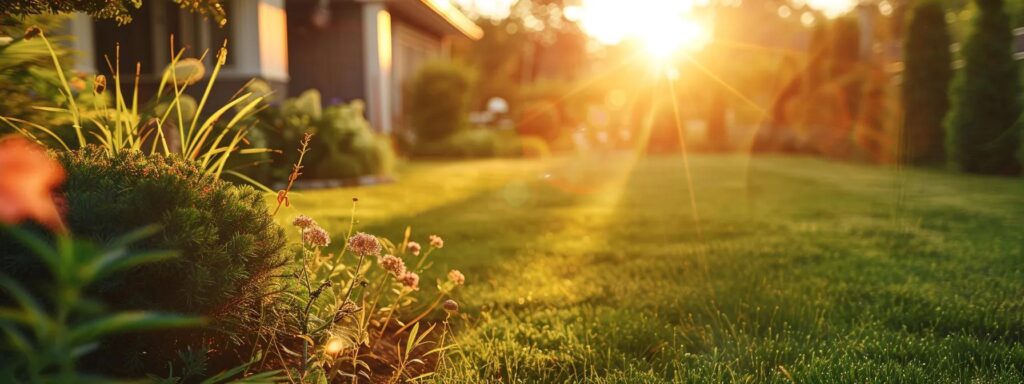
(495, 9)
(662, 26)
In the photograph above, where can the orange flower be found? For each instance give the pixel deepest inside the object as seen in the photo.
(28, 176)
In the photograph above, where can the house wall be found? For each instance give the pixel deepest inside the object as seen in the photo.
(255, 41)
(412, 48)
(329, 59)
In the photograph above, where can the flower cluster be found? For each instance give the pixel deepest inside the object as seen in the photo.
(316, 237)
(364, 244)
(413, 248)
(456, 277)
(436, 241)
(410, 280)
(304, 222)
(312, 233)
(392, 264)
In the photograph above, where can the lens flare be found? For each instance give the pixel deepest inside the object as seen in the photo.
(663, 28)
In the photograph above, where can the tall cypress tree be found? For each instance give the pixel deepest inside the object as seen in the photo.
(982, 130)
(926, 77)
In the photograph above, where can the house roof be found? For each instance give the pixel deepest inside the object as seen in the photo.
(439, 15)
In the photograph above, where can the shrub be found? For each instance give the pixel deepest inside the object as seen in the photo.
(229, 246)
(926, 83)
(345, 145)
(438, 100)
(982, 129)
(482, 142)
(228, 241)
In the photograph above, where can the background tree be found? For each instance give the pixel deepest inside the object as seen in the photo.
(982, 127)
(119, 10)
(927, 75)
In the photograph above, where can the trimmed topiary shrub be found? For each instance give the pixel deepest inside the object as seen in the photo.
(926, 84)
(982, 129)
(437, 102)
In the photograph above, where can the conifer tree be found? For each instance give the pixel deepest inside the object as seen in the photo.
(927, 74)
(982, 128)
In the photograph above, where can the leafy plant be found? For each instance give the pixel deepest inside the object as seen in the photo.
(45, 337)
(27, 75)
(346, 144)
(338, 320)
(198, 136)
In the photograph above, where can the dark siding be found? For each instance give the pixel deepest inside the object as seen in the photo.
(135, 39)
(329, 59)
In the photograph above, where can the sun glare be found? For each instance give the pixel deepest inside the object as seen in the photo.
(662, 27)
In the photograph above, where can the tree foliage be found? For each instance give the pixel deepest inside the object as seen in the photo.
(119, 10)
(927, 75)
(982, 128)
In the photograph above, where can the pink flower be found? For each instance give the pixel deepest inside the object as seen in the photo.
(28, 176)
(456, 277)
(436, 241)
(304, 222)
(393, 264)
(414, 248)
(316, 237)
(410, 279)
(364, 244)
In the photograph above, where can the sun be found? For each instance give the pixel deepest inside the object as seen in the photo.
(662, 27)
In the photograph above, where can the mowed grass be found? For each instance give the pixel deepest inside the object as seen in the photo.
(793, 270)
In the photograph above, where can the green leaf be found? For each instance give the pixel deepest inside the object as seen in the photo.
(130, 322)
(39, 246)
(135, 236)
(105, 266)
(33, 311)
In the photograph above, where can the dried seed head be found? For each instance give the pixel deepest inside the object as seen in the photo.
(316, 237)
(392, 264)
(414, 248)
(99, 84)
(364, 244)
(346, 309)
(436, 241)
(451, 305)
(410, 280)
(456, 277)
(32, 32)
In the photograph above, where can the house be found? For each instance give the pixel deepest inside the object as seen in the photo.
(346, 49)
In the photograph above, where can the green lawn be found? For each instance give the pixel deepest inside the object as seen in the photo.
(595, 270)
